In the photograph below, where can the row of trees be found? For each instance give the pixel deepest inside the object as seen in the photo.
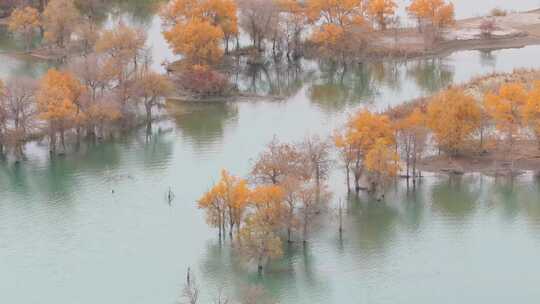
(200, 29)
(104, 88)
(59, 22)
(378, 144)
(285, 192)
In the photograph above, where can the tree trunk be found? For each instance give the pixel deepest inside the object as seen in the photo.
(148, 107)
(348, 175)
(52, 141)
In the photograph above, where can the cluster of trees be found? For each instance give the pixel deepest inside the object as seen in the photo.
(105, 87)
(286, 188)
(199, 30)
(432, 15)
(285, 193)
(62, 23)
(368, 142)
(377, 145)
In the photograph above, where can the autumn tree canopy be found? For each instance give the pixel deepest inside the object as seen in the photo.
(506, 108)
(196, 28)
(453, 117)
(363, 130)
(57, 100)
(60, 19)
(25, 21)
(339, 25)
(381, 11)
(434, 13)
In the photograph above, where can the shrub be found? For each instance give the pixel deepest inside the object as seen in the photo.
(204, 82)
(497, 12)
(487, 27)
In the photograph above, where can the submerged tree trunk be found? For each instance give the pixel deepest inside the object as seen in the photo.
(52, 141)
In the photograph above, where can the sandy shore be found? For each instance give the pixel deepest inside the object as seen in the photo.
(495, 156)
(494, 161)
(514, 30)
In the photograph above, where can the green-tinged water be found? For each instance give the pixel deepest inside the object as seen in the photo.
(95, 226)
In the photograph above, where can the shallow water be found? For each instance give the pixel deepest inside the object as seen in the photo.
(65, 237)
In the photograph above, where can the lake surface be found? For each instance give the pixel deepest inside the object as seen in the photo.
(65, 237)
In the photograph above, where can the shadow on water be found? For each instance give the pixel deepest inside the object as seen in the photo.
(57, 178)
(456, 197)
(339, 86)
(372, 224)
(203, 124)
(273, 78)
(431, 74)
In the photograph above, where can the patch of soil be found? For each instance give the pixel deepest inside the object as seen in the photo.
(525, 156)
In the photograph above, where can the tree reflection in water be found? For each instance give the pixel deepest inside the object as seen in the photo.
(202, 124)
(430, 74)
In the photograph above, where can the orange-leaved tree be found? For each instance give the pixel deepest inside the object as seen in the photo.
(269, 202)
(57, 99)
(453, 117)
(25, 21)
(362, 132)
(197, 40)
(259, 241)
(339, 12)
(337, 21)
(436, 14)
(505, 108)
(60, 19)
(225, 202)
(201, 25)
(382, 162)
(381, 11)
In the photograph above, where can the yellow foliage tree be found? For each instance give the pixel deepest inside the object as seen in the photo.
(435, 13)
(197, 40)
(382, 162)
(330, 38)
(60, 19)
(25, 21)
(506, 108)
(220, 16)
(259, 242)
(342, 13)
(225, 201)
(335, 20)
(57, 101)
(381, 11)
(236, 194)
(453, 117)
(269, 201)
(362, 132)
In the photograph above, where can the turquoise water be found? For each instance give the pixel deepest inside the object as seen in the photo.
(65, 237)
